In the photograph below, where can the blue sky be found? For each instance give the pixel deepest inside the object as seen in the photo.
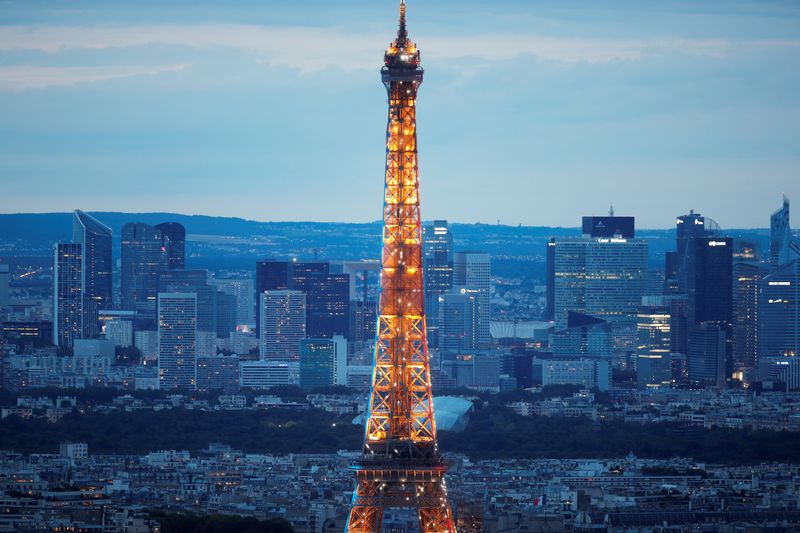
(532, 112)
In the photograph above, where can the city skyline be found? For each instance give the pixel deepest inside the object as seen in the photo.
(225, 110)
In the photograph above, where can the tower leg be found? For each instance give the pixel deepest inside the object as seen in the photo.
(365, 518)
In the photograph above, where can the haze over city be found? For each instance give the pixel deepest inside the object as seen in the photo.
(533, 112)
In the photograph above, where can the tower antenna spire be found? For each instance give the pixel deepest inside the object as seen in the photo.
(402, 33)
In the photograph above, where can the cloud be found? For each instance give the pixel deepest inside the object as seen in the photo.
(309, 49)
(13, 78)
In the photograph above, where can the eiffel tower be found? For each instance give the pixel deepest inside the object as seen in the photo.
(400, 466)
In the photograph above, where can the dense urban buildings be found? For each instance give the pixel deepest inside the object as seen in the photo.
(253, 370)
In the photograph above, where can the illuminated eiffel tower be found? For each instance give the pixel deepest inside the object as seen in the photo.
(400, 466)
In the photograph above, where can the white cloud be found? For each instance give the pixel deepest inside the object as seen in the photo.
(21, 77)
(310, 49)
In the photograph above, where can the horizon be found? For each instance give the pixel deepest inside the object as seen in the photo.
(425, 220)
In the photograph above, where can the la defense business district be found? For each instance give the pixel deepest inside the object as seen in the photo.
(163, 374)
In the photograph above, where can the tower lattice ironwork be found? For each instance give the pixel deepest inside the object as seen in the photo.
(400, 465)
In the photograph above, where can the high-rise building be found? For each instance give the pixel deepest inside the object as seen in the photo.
(283, 324)
(146, 341)
(550, 279)
(400, 465)
(193, 282)
(175, 243)
(226, 314)
(95, 240)
(472, 270)
(610, 226)
(218, 372)
(458, 321)
(317, 363)
(709, 274)
(437, 266)
(4, 279)
(177, 340)
(268, 374)
(327, 294)
(243, 290)
(602, 277)
(363, 319)
(328, 305)
(779, 312)
(67, 294)
(588, 373)
(120, 332)
(747, 276)
(654, 361)
(707, 357)
(144, 255)
(780, 236)
(584, 336)
(687, 228)
(709, 288)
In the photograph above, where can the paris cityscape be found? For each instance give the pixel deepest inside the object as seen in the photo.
(212, 320)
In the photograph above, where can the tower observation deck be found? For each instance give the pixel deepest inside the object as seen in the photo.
(400, 466)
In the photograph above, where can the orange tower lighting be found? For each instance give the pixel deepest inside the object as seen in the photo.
(400, 465)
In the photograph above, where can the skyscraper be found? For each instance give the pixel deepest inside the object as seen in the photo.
(177, 340)
(654, 363)
(400, 465)
(226, 314)
(67, 294)
(175, 236)
(193, 282)
(602, 277)
(610, 226)
(143, 256)
(317, 363)
(550, 280)
(709, 271)
(472, 270)
(687, 228)
(747, 276)
(271, 276)
(243, 290)
(327, 294)
(708, 353)
(328, 305)
(779, 312)
(584, 336)
(709, 288)
(437, 265)
(782, 248)
(4, 279)
(283, 324)
(95, 240)
(458, 321)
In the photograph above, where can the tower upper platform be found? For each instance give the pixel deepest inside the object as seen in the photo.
(402, 58)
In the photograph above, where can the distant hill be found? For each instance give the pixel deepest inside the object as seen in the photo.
(33, 234)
